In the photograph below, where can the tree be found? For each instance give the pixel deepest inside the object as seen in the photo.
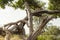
(29, 5)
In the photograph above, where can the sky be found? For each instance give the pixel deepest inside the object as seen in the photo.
(9, 14)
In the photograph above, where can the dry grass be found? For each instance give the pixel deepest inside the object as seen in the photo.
(13, 37)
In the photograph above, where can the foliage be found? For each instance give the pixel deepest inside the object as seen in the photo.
(20, 3)
(51, 33)
(4, 2)
(54, 5)
(46, 37)
(33, 4)
(53, 30)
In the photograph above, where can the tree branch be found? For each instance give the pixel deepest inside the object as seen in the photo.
(29, 14)
(39, 12)
(41, 26)
(14, 23)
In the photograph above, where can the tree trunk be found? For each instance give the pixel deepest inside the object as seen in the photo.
(30, 23)
(8, 36)
(41, 26)
(21, 30)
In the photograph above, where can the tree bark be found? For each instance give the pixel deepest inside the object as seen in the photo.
(41, 26)
(39, 12)
(44, 22)
(20, 28)
(29, 14)
(8, 35)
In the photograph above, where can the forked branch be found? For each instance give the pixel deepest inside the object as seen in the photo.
(41, 26)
